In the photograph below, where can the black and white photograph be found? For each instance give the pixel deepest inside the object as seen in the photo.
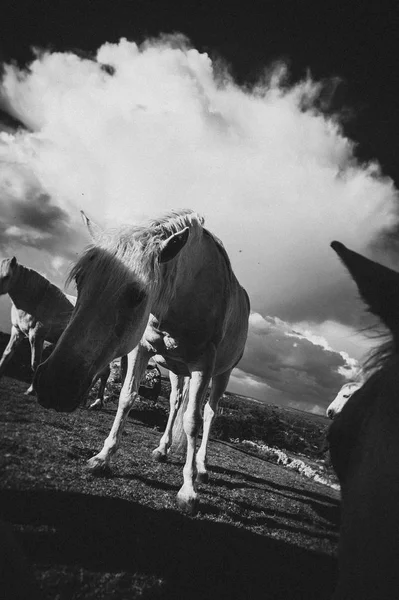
(199, 300)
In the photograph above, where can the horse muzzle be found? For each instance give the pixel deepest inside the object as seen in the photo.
(63, 392)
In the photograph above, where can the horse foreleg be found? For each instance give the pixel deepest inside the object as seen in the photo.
(219, 384)
(15, 339)
(36, 346)
(123, 369)
(187, 496)
(179, 386)
(103, 377)
(136, 363)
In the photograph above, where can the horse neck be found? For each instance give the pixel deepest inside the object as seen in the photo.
(27, 290)
(181, 273)
(177, 274)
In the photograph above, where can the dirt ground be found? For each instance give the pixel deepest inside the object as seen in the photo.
(262, 531)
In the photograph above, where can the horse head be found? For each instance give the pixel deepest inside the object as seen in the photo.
(8, 271)
(364, 447)
(347, 390)
(115, 279)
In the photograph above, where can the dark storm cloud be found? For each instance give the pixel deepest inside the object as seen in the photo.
(337, 301)
(9, 123)
(289, 362)
(35, 221)
(40, 214)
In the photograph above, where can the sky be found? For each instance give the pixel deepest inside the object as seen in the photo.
(275, 123)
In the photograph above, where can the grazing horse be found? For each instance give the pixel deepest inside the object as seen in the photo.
(40, 311)
(342, 398)
(166, 290)
(364, 447)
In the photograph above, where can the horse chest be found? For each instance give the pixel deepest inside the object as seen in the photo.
(24, 321)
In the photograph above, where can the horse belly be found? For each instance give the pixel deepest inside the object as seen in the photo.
(230, 350)
(177, 367)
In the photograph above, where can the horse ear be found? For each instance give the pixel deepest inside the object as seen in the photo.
(94, 229)
(13, 262)
(378, 285)
(172, 246)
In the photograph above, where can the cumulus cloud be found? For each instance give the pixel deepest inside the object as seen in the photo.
(139, 130)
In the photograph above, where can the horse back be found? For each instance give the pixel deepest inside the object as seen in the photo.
(49, 319)
(209, 306)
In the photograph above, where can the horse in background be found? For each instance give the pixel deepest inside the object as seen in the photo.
(342, 398)
(40, 311)
(364, 447)
(165, 290)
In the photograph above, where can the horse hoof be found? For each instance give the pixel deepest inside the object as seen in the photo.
(202, 477)
(97, 466)
(159, 457)
(189, 506)
(30, 392)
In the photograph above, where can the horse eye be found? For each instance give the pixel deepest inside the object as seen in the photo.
(133, 295)
(131, 298)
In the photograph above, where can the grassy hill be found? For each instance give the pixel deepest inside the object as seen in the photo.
(262, 531)
(240, 419)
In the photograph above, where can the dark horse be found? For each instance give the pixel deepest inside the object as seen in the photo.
(364, 446)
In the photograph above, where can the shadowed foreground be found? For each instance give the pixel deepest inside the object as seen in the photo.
(262, 531)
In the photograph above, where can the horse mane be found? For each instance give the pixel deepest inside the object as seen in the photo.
(119, 251)
(31, 278)
(154, 231)
(343, 432)
(378, 358)
(349, 384)
(37, 285)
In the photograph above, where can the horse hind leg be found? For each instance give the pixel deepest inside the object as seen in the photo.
(179, 387)
(219, 384)
(103, 377)
(36, 345)
(187, 497)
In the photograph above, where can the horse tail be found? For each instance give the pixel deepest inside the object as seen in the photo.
(179, 438)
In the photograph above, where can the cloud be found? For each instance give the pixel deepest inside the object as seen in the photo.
(285, 366)
(138, 130)
(29, 216)
(341, 338)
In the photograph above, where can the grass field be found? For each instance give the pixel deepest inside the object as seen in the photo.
(262, 530)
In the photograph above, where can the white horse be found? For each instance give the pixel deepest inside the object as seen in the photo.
(165, 290)
(40, 311)
(364, 447)
(342, 398)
